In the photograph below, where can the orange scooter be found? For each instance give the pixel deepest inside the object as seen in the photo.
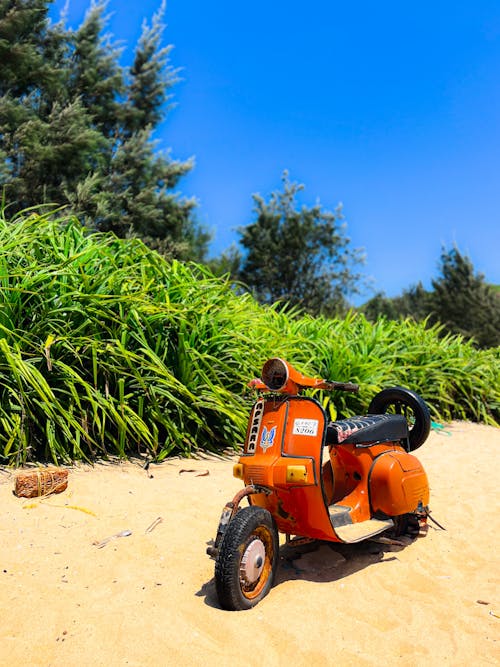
(368, 484)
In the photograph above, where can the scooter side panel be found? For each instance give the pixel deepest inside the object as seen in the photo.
(397, 484)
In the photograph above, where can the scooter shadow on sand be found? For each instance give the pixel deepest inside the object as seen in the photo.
(321, 561)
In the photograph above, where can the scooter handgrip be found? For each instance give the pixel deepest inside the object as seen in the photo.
(344, 386)
(350, 386)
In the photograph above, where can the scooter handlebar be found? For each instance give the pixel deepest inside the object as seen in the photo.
(329, 385)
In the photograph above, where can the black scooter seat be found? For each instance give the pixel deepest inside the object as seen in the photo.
(370, 428)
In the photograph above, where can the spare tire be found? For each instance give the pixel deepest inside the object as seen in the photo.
(402, 401)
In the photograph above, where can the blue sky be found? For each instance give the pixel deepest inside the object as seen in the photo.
(391, 108)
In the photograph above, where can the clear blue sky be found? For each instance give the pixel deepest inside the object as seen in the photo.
(391, 108)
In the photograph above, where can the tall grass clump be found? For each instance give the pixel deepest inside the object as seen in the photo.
(107, 349)
(457, 380)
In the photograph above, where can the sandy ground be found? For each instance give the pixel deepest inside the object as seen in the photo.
(149, 598)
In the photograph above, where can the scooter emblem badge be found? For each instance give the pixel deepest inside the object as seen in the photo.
(267, 439)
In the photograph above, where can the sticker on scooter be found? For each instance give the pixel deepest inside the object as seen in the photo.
(305, 427)
(258, 411)
(267, 439)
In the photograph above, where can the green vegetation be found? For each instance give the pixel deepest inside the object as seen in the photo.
(77, 130)
(298, 256)
(460, 299)
(108, 349)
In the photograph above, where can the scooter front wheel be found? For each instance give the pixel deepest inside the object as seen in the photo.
(247, 559)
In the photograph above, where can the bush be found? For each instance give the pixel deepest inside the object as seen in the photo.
(107, 349)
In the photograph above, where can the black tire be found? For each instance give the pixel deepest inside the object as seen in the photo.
(401, 401)
(247, 559)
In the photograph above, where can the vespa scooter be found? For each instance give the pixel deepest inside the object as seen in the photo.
(368, 483)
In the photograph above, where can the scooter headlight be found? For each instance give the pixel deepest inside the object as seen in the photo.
(275, 374)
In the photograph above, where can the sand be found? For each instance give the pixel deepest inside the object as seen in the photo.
(148, 598)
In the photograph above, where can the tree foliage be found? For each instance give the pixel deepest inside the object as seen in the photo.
(412, 302)
(107, 349)
(76, 128)
(460, 300)
(297, 255)
(464, 302)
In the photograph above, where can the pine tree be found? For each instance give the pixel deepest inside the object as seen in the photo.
(46, 141)
(413, 302)
(298, 256)
(22, 40)
(96, 77)
(460, 300)
(464, 302)
(152, 77)
(76, 128)
(141, 183)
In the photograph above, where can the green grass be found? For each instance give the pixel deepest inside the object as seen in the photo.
(107, 349)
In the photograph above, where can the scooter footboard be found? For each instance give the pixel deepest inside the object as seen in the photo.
(397, 484)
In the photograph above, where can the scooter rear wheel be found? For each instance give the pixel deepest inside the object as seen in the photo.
(406, 524)
(402, 401)
(247, 559)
